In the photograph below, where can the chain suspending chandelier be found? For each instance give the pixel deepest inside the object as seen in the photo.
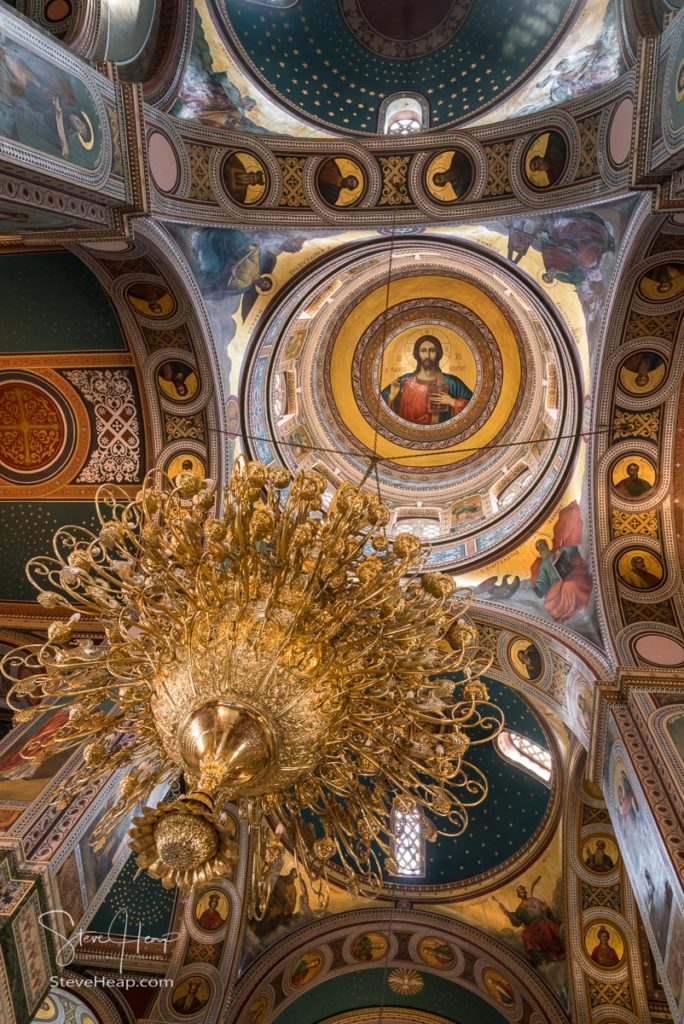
(278, 656)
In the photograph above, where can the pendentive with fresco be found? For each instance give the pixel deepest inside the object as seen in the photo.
(281, 656)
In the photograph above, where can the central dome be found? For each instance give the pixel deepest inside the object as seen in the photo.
(333, 62)
(448, 369)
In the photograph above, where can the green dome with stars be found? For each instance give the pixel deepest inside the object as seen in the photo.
(512, 822)
(334, 61)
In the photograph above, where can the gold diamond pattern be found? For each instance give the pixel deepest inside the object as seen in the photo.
(117, 156)
(157, 340)
(200, 186)
(588, 162)
(636, 424)
(641, 326)
(292, 170)
(667, 243)
(394, 186)
(594, 815)
(660, 611)
(498, 181)
(606, 993)
(601, 896)
(184, 426)
(626, 523)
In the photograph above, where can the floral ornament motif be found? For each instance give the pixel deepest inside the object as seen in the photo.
(117, 456)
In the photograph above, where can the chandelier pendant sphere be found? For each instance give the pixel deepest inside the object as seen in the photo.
(282, 658)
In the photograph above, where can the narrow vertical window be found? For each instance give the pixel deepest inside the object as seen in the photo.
(408, 841)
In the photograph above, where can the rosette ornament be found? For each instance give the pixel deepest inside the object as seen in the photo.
(282, 658)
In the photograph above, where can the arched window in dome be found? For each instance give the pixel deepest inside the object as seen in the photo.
(424, 529)
(403, 113)
(424, 523)
(279, 402)
(408, 841)
(526, 754)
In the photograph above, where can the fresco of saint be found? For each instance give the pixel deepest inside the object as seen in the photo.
(454, 181)
(191, 996)
(632, 485)
(638, 574)
(177, 381)
(604, 954)
(572, 246)
(531, 661)
(599, 859)
(428, 395)
(39, 105)
(540, 927)
(211, 917)
(546, 159)
(662, 283)
(333, 181)
(245, 178)
(559, 574)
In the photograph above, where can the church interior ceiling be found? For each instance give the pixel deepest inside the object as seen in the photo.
(535, 60)
(277, 290)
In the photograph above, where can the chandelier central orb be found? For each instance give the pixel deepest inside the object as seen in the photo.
(276, 656)
(221, 734)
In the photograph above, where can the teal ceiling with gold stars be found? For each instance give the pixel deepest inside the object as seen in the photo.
(335, 61)
(359, 989)
(136, 905)
(503, 824)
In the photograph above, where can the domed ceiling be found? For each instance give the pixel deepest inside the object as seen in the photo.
(334, 61)
(460, 402)
(496, 845)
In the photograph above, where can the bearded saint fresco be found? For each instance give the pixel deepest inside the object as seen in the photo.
(559, 574)
(428, 395)
(603, 953)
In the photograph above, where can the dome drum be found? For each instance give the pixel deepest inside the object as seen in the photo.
(447, 367)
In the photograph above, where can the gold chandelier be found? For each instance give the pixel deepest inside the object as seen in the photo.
(277, 656)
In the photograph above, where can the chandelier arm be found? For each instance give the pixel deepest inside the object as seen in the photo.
(68, 536)
(39, 566)
(497, 726)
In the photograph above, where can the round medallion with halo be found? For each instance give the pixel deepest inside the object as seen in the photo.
(449, 176)
(605, 945)
(640, 568)
(245, 178)
(662, 283)
(341, 181)
(633, 476)
(188, 462)
(642, 372)
(545, 160)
